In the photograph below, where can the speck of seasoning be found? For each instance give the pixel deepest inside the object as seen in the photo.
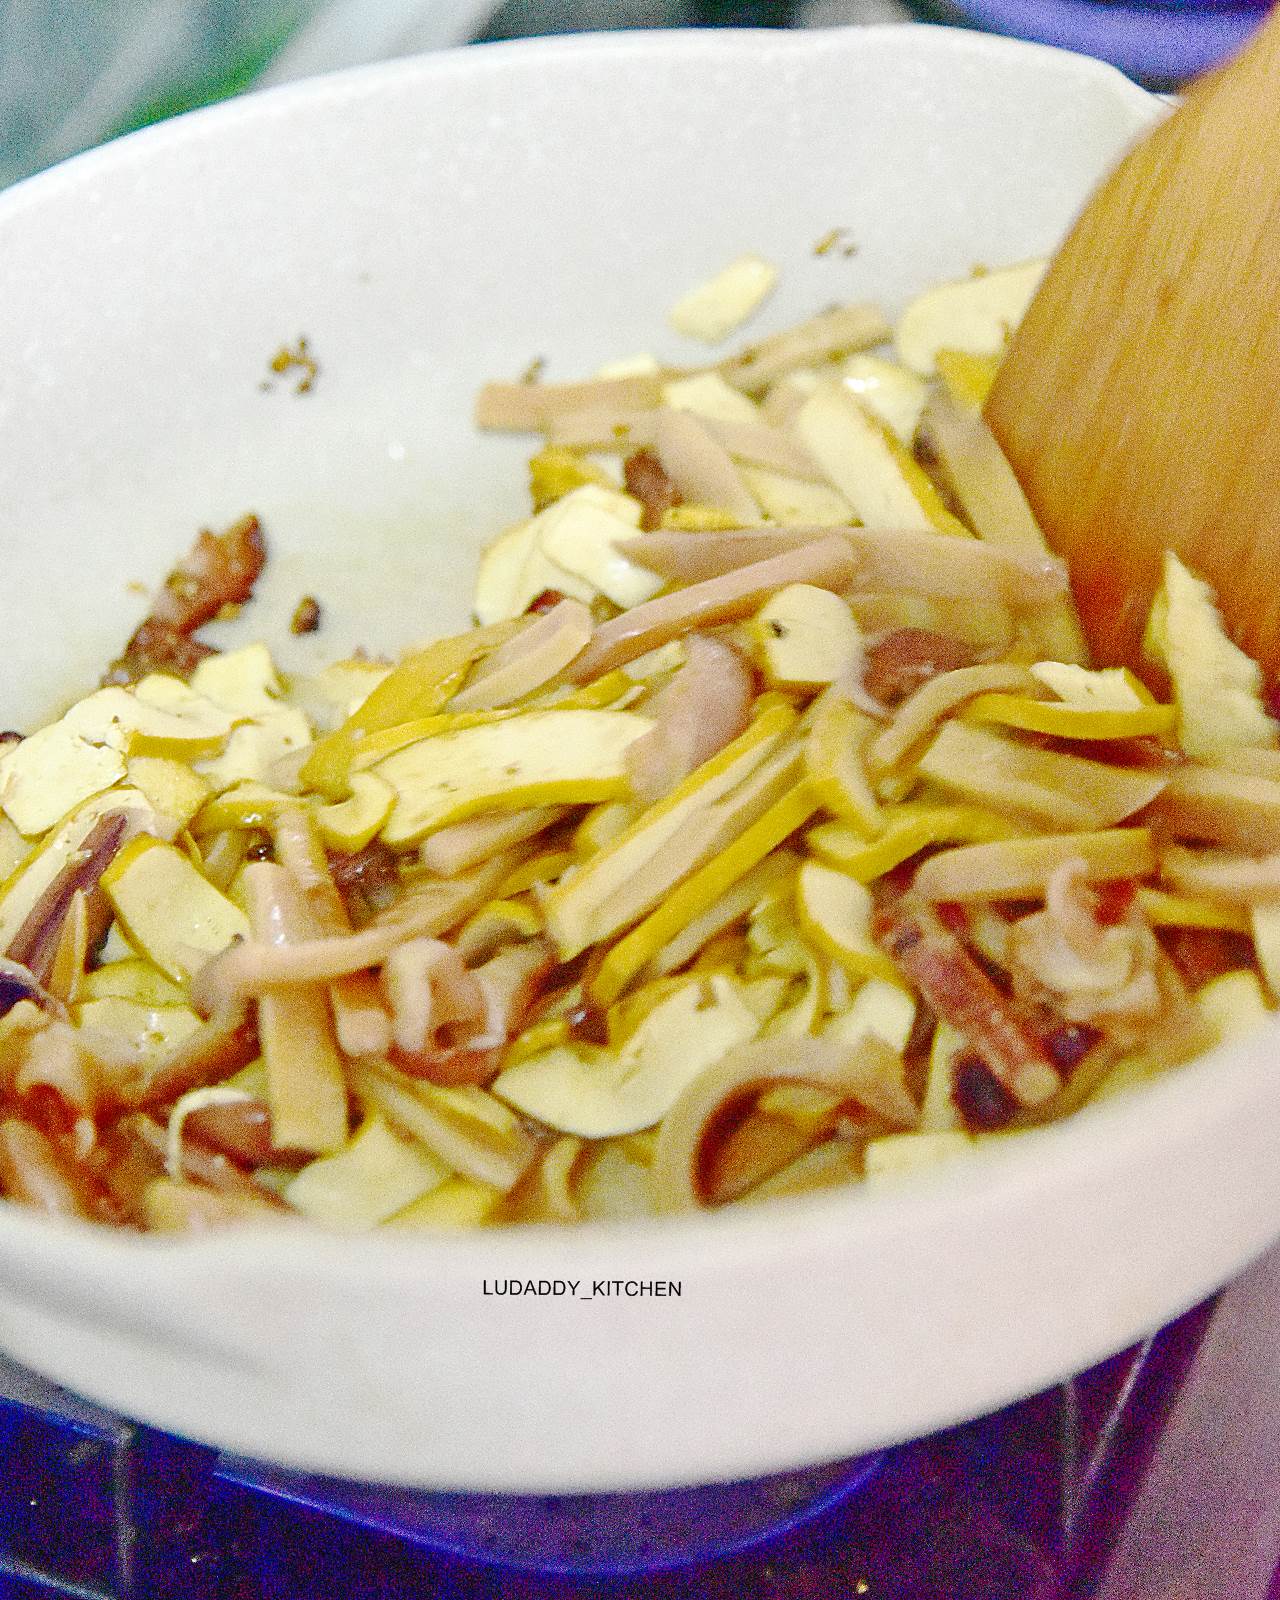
(836, 240)
(306, 615)
(778, 630)
(134, 586)
(296, 359)
(533, 372)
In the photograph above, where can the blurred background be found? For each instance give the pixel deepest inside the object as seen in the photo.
(73, 75)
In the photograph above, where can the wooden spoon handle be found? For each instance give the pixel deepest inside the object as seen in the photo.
(1140, 402)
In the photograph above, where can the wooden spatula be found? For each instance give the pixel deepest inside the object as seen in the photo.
(1140, 401)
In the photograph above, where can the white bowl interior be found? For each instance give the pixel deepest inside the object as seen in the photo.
(428, 225)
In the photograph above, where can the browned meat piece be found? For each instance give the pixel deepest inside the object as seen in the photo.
(900, 662)
(961, 993)
(219, 570)
(647, 481)
(1201, 954)
(306, 615)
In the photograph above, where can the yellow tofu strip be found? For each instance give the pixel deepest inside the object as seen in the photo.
(969, 377)
(834, 758)
(542, 758)
(734, 904)
(1165, 910)
(37, 869)
(1015, 869)
(371, 748)
(1070, 722)
(376, 1176)
(492, 1149)
(306, 1085)
(867, 465)
(834, 911)
(419, 687)
(1265, 924)
(1223, 807)
(700, 892)
(168, 909)
(908, 829)
(618, 883)
(456, 1203)
(1056, 790)
(246, 805)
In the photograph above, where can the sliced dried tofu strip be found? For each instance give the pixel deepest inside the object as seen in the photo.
(922, 711)
(700, 891)
(1058, 791)
(1217, 687)
(542, 758)
(626, 878)
(708, 396)
(377, 1174)
(895, 394)
(599, 1094)
(854, 451)
(908, 829)
(1224, 807)
(976, 314)
(1016, 869)
(714, 309)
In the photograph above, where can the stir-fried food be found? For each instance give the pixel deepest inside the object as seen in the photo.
(769, 831)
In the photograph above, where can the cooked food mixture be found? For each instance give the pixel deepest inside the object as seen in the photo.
(769, 831)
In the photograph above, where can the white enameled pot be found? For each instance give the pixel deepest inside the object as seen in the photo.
(427, 225)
